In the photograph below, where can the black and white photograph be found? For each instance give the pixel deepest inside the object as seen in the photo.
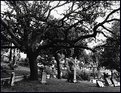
(60, 46)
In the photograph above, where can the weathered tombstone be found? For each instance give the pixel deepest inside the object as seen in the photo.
(116, 84)
(48, 76)
(44, 75)
(74, 75)
(99, 83)
(108, 82)
(54, 76)
(75, 80)
(12, 79)
(93, 81)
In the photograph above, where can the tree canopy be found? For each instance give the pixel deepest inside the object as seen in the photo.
(31, 27)
(27, 24)
(110, 57)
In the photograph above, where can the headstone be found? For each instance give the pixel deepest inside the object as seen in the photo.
(108, 82)
(12, 79)
(93, 81)
(48, 76)
(75, 80)
(44, 75)
(100, 83)
(54, 76)
(115, 83)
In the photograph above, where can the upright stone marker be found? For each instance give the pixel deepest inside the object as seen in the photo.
(12, 79)
(115, 83)
(44, 75)
(75, 80)
(100, 83)
(108, 81)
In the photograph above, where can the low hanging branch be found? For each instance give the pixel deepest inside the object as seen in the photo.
(10, 32)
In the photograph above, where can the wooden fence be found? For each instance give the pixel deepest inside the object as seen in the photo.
(10, 80)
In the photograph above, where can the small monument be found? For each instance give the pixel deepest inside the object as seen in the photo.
(44, 75)
(108, 82)
(12, 79)
(75, 80)
(100, 83)
(115, 83)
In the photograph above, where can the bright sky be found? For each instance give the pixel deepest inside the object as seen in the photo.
(60, 10)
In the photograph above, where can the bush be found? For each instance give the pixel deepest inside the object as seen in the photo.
(23, 62)
(65, 75)
(84, 76)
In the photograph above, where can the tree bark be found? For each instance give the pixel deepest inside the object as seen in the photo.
(10, 56)
(33, 66)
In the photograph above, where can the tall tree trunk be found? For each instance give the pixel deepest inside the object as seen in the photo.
(58, 66)
(14, 58)
(33, 66)
(10, 56)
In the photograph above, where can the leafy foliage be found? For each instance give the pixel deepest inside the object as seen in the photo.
(111, 55)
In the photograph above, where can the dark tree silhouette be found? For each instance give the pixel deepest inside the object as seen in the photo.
(32, 28)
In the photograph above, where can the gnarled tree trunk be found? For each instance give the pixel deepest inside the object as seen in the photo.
(33, 66)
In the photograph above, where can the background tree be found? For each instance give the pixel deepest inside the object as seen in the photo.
(32, 27)
(110, 57)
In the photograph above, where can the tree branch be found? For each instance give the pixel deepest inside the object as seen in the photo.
(9, 30)
(103, 34)
(107, 29)
(75, 24)
(113, 20)
(110, 14)
(62, 46)
(95, 27)
(56, 7)
(12, 40)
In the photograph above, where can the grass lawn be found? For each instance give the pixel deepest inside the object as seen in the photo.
(20, 70)
(57, 85)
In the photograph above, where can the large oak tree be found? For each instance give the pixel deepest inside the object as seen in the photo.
(31, 27)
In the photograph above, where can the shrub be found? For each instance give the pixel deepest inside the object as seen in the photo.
(84, 76)
(65, 75)
(23, 62)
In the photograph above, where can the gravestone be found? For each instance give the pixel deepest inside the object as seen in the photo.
(75, 80)
(108, 82)
(116, 84)
(93, 81)
(99, 83)
(44, 75)
(75, 72)
(54, 76)
(48, 76)
(12, 79)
